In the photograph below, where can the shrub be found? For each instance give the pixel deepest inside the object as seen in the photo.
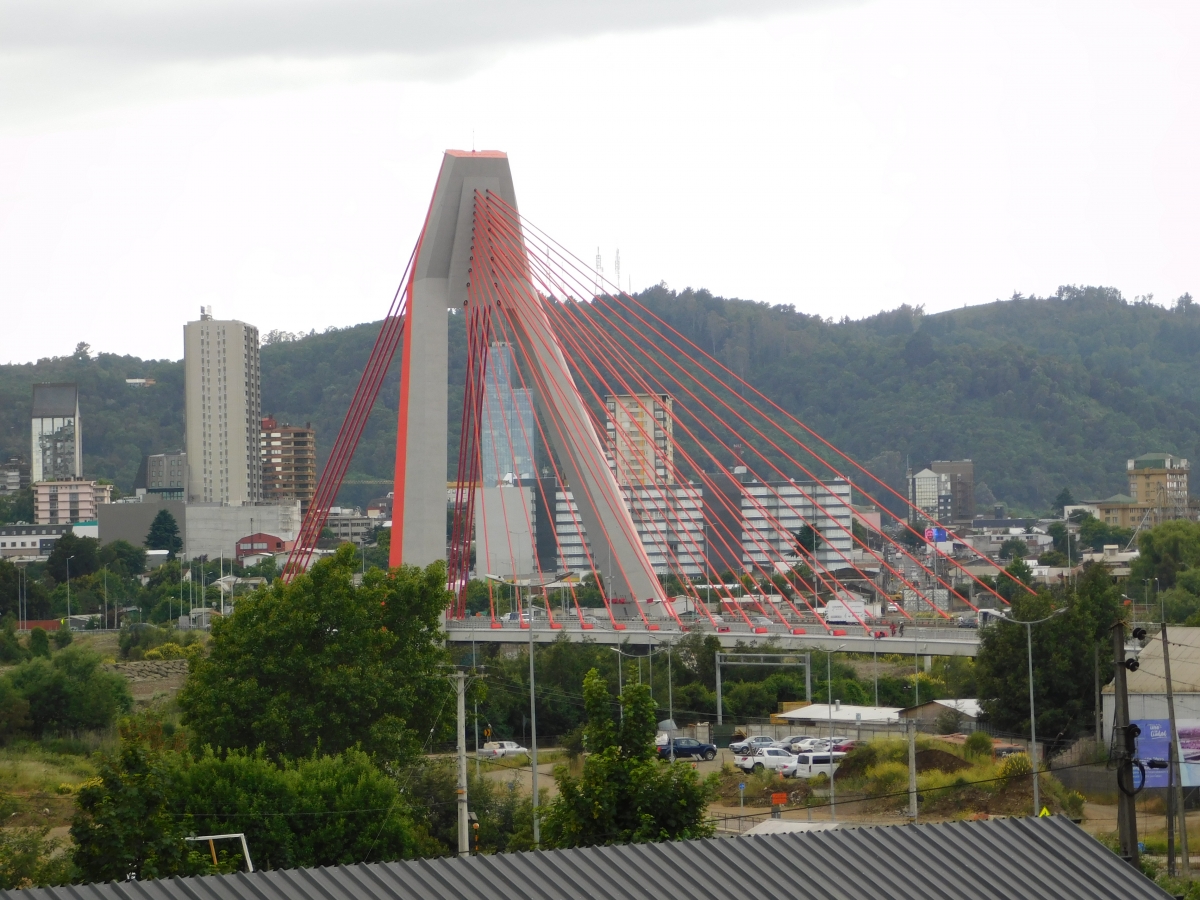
(39, 642)
(886, 778)
(1015, 766)
(28, 859)
(70, 692)
(63, 636)
(978, 744)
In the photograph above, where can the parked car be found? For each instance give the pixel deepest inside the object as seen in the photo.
(750, 744)
(809, 765)
(688, 748)
(786, 742)
(847, 746)
(500, 749)
(765, 758)
(810, 744)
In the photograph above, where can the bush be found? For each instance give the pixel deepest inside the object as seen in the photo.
(886, 778)
(978, 744)
(70, 692)
(1015, 766)
(63, 636)
(39, 642)
(28, 859)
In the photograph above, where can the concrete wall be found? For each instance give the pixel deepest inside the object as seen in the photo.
(503, 519)
(131, 521)
(213, 530)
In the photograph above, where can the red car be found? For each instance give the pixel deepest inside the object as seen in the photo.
(847, 746)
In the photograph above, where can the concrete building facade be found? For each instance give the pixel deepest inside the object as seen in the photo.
(14, 476)
(1159, 481)
(960, 474)
(931, 493)
(56, 445)
(773, 513)
(167, 473)
(288, 454)
(640, 440)
(223, 411)
(69, 501)
(29, 540)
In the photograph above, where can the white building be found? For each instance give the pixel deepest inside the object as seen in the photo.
(505, 532)
(669, 519)
(773, 513)
(223, 411)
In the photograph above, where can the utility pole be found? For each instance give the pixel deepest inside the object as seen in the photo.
(460, 687)
(911, 728)
(1123, 740)
(1099, 698)
(533, 759)
(1174, 777)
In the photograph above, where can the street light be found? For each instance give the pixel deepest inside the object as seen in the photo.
(69, 558)
(620, 687)
(829, 709)
(1032, 717)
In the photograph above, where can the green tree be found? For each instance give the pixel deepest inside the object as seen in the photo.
(82, 552)
(1094, 534)
(124, 823)
(164, 534)
(123, 558)
(39, 642)
(1167, 550)
(807, 539)
(1063, 500)
(29, 858)
(320, 665)
(625, 795)
(70, 692)
(1014, 548)
(1063, 658)
(17, 507)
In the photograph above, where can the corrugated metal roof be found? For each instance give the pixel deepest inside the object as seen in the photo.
(1000, 859)
(55, 400)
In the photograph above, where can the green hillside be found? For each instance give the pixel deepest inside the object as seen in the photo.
(1041, 392)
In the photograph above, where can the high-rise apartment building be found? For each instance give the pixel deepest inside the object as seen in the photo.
(508, 428)
(68, 501)
(167, 474)
(223, 411)
(1160, 480)
(640, 445)
(932, 494)
(57, 440)
(961, 477)
(774, 514)
(289, 462)
(14, 476)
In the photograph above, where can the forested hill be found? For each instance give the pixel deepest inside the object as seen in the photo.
(1041, 392)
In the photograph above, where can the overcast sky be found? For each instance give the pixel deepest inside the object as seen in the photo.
(275, 159)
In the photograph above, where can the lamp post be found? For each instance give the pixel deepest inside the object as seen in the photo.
(829, 710)
(537, 837)
(69, 558)
(620, 686)
(1032, 717)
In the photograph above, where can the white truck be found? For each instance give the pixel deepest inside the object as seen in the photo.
(501, 749)
(775, 758)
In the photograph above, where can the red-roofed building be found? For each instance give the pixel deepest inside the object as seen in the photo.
(259, 544)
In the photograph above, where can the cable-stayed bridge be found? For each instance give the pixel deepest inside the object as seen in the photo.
(613, 475)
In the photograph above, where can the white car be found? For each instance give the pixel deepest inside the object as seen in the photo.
(765, 758)
(808, 765)
(500, 749)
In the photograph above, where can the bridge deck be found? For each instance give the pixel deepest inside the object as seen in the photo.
(922, 641)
